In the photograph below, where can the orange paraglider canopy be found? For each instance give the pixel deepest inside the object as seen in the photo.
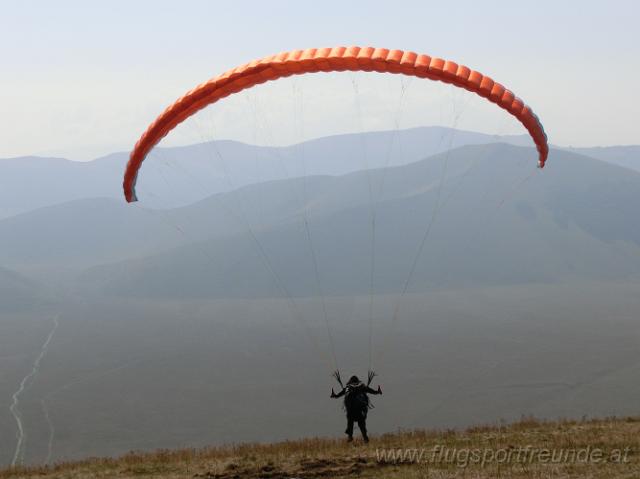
(336, 59)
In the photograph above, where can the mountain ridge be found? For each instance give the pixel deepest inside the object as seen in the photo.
(198, 171)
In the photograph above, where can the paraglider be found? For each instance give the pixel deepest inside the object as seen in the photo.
(338, 59)
(356, 402)
(298, 62)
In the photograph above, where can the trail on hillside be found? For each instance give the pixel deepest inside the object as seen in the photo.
(18, 455)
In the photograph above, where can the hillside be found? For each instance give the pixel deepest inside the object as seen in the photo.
(605, 448)
(625, 156)
(497, 221)
(82, 232)
(16, 291)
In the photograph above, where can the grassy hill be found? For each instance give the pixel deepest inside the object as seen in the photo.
(595, 448)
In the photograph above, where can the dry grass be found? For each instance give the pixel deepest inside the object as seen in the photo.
(325, 458)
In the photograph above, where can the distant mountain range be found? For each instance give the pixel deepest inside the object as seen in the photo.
(180, 176)
(498, 221)
(493, 218)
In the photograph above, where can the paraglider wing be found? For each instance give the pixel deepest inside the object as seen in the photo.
(312, 60)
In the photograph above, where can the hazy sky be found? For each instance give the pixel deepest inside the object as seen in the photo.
(83, 78)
